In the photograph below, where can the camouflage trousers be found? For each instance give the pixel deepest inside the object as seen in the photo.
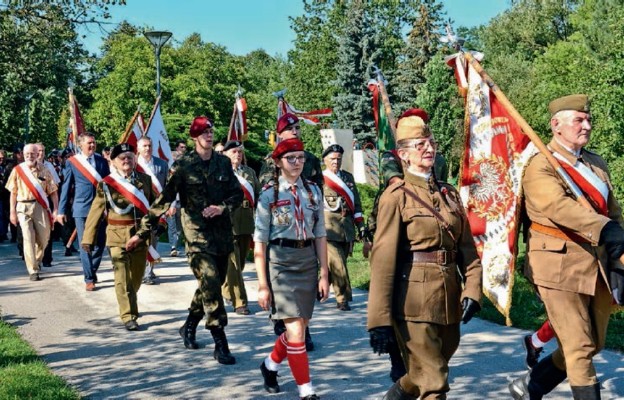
(210, 271)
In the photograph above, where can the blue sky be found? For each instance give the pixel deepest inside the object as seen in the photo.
(245, 25)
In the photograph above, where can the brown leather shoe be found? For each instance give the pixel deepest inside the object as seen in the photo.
(90, 287)
(242, 310)
(343, 306)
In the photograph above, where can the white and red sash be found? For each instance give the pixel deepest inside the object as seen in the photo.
(143, 166)
(136, 197)
(336, 184)
(590, 184)
(82, 164)
(34, 186)
(247, 189)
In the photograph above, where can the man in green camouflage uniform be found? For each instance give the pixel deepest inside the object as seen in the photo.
(209, 192)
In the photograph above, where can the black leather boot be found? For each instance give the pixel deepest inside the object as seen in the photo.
(396, 392)
(396, 360)
(222, 350)
(188, 330)
(542, 379)
(586, 392)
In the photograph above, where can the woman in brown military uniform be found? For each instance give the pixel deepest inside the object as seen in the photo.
(424, 269)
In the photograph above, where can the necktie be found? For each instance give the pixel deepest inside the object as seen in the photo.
(299, 220)
(91, 161)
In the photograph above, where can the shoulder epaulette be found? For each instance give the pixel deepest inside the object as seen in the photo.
(395, 186)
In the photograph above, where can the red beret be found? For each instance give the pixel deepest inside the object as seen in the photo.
(286, 146)
(416, 112)
(199, 126)
(286, 120)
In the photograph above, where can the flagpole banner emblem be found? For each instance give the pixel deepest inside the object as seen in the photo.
(496, 153)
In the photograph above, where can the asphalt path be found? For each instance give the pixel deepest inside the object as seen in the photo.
(80, 336)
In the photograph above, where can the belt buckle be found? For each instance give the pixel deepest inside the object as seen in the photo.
(299, 244)
(442, 257)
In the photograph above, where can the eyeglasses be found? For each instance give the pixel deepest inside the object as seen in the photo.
(420, 145)
(293, 159)
(293, 128)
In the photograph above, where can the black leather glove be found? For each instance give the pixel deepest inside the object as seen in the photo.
(616, 281)
(160, 229)
(612, 237)
(470, 308)
(380, 339)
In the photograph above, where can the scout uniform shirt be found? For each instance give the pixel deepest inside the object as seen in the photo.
(421, 292)
(276, 220)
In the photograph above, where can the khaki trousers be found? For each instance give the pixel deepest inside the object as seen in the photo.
(580, 323)
(233, 288)
(427, 349)
(337, 253)
(128, 268)
(35, 224)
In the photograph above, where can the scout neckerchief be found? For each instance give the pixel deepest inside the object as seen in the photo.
(247, 188)
(143, 166)
(136, 197)
(335, 183)
(590, 184)
(299, 218)
(33, 184)
(82, 164)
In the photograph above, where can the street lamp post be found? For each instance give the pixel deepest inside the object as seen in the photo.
(158, 40)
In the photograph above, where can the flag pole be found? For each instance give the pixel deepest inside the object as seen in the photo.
(385, 99)
(124, 137)
(232, 122)
(152, 114)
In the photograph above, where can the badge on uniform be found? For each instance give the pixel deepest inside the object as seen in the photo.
(282, 216)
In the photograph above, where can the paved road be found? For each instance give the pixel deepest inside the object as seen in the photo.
(80, 336)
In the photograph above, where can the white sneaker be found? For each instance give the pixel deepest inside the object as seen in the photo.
(174, 252)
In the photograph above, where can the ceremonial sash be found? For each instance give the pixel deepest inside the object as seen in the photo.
(82, 164)
(590, 184)
(136, 197)
(336, 184)
(247, 189)
(142, 166)
(34, 186)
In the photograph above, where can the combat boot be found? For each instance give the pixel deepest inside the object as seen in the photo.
(586, 392)
(222, 350)
(188, 331)
(396, 392)
(542, 379)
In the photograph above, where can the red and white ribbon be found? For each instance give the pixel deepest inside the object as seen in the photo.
(594, 188)
(34, 186)
(82, 164)
(247, 189)
(336, 184)
(143, 166)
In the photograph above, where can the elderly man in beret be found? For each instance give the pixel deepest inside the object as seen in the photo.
(209, 192)
(124, 196)
(242, 227)
(343, 215)
(569, 251)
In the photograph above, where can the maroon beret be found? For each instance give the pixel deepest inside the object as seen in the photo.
(286, 146)
(286, 120)
(199, 126)
(416, 112)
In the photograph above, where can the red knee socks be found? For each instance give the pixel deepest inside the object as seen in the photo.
(298, 362)
(279, 352)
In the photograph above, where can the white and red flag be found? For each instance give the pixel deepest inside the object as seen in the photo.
(157, 132)
(309, 117)
(238, 124)
(76, 124)
(134, 130)
(496, 153)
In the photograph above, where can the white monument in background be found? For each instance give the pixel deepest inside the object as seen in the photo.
(363, 164)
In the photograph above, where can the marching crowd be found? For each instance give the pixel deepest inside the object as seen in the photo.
(302, 220)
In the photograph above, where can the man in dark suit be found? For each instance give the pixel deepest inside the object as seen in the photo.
(158, 170)
(82, 173)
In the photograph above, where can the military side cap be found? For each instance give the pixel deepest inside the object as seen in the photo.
(413, 125)
(285, 121)
(334, 148)
(232, 144)
(286, 146)
(199, 126)
(575, 102)
(121, 148)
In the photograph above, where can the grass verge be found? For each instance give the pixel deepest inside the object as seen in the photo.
(527, 312)
(23, 375)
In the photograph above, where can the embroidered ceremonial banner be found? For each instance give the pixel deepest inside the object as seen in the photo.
(157, 132)
(76, 124)
(82, 164)
(238, 125)
(385, 139)
(35, 187)
(496, 153)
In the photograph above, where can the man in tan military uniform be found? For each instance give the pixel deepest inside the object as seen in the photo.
(123, 214)
(29, 184)
(242, 227)
(425, 270)
(568, 252)
(343, 213)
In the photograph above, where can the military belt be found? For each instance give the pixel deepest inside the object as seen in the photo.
(440, 257)
(26, 201)
(122, 222)
(295, 244)
(558, 233)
